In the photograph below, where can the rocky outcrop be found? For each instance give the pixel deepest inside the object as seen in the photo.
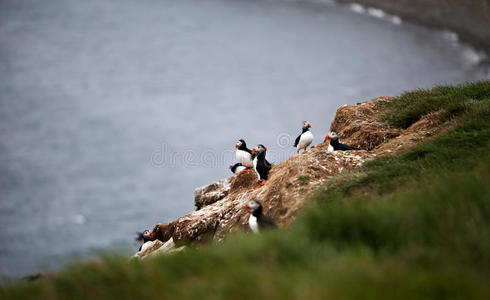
(219, 205)
(357, 124)
(157, 247)
(211, 193)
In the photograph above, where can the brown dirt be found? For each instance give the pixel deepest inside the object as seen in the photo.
(357, 124)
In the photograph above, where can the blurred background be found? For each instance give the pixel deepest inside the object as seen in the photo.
(112, 112)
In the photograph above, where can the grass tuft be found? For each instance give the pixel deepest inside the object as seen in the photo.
(304, 179)
(452, 101)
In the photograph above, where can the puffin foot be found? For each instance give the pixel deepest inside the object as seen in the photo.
(261, 184)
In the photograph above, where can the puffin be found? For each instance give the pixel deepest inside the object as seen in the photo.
(334, 143)
(144, 237)
(304, 139)
(257, 220)
(237, 168)
(261, 165)
(244, 155)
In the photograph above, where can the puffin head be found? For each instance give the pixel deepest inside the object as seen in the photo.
(240, 143)
(144, 236)
(252, 206)
(306, 125)
(148, 234)
(331, 136)
(259, 149)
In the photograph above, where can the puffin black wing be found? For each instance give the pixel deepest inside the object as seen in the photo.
(339, 146)
(233, 168)
(263, 168)
(344, 147)
(139, 237)
(296, 142)
(267, 164)
(266, 222)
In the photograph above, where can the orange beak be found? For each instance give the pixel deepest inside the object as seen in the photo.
(309, 125)
(152, 234)
(253, 150)
(245, 206)
(326, 138)
(266, 148)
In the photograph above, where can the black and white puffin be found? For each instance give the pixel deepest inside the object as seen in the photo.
(144, 237)
(243, 154)
(304, 139)
(237, 168)
(261, 165)
(257, 220)
(334, 143)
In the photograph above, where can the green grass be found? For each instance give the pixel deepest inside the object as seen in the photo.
(453, 101)
(460, 149)
(304, 179)
(413, 226)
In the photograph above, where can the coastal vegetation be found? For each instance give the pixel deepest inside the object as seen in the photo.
(413, 225)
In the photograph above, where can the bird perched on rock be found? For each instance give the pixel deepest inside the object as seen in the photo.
(333, 140)
(237, 168)
(144, 237)
(261, 165)
(257, 220)
(304, 139)
(244, 155)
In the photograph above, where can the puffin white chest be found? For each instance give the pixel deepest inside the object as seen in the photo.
(330, 148)
(239, 169)
(255, 167)
(244, 158)
(252, 222)
(305, 140)
(146, 245)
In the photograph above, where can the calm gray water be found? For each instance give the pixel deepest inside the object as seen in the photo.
(112, 112)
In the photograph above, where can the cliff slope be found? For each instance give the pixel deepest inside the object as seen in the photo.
(292, 181)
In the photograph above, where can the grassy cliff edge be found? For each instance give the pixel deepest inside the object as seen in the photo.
(415, 224)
